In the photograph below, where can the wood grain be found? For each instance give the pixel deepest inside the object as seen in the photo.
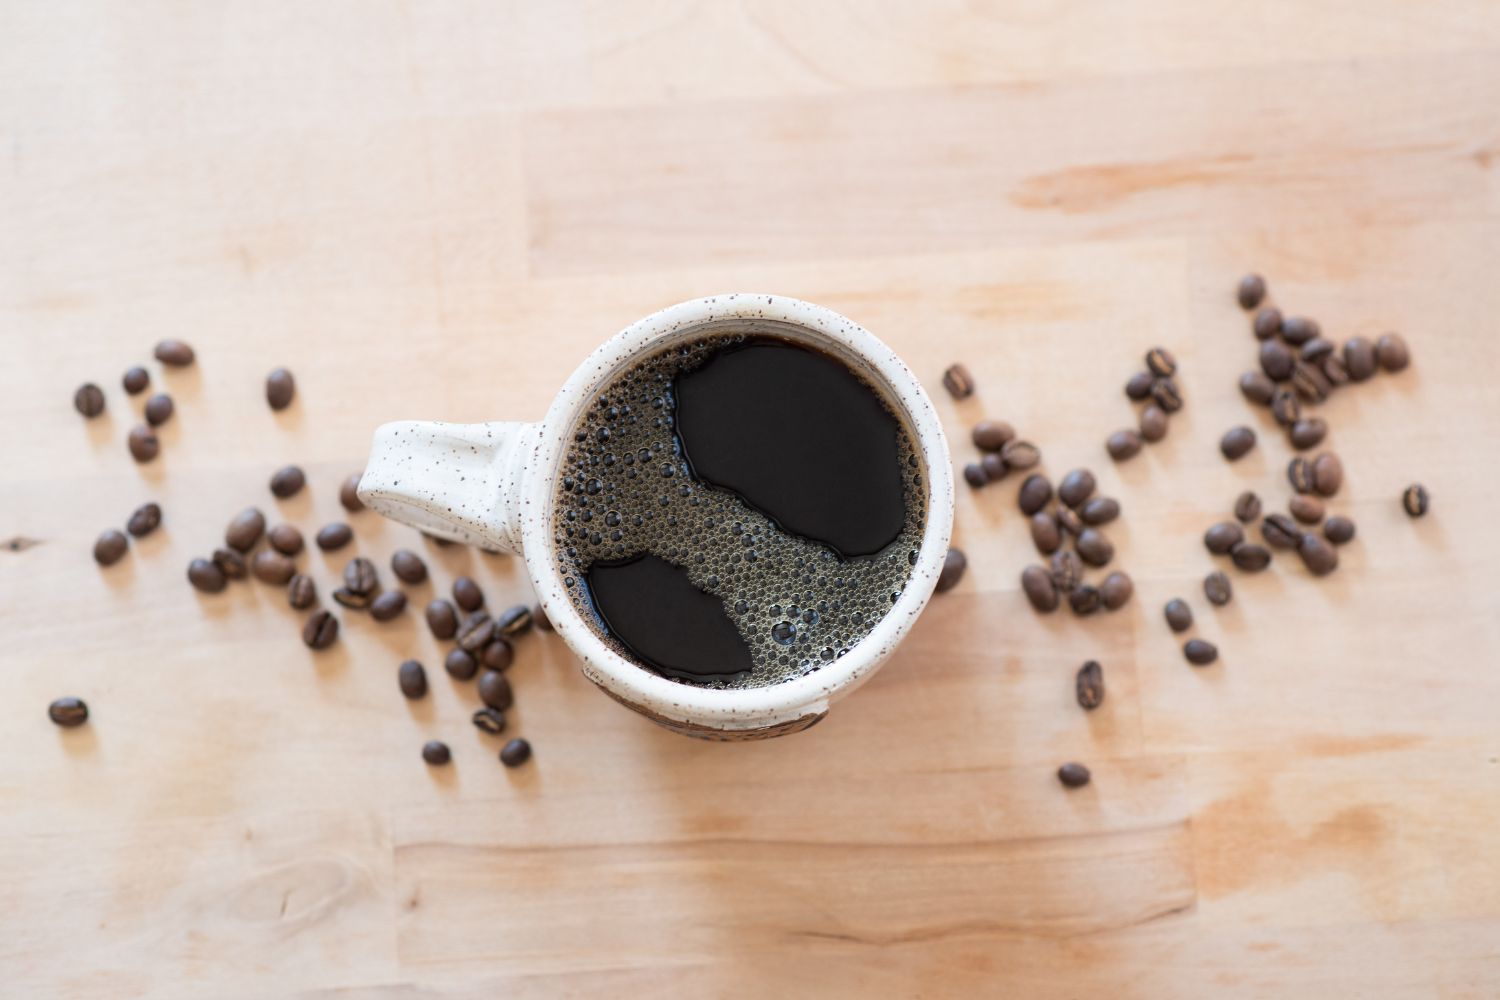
(436, 210)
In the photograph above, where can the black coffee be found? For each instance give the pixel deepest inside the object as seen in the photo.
(737, 511)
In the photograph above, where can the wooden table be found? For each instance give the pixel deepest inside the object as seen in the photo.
(436, 210)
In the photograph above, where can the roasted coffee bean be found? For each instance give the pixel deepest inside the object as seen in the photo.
(1045, 533)
(442, 619)
(174, 353)
(334, 535)
(1036, 491)
(143, 520)
(1359, 358)
(388, 605)
(1299, 472)
(408, 566)
(1299, 329)
(1139, 386)
(1257, 387)
(231, 564)
(460, 664)
(360, 576)
(1334, 370)
(1237, 442)
(1315, 350)
(1217, 589)
(958, 382)
(1153, 423)
(285, 539)
(515, 753)
(1280, 531)
(1222, 537)
(272, 567)
(287, 481)
(494, 690)
(412, 677)
(245, 530)
(1094, 548)
(353, 601)
(1328, 473)
(1338, 529)
(1251, 291)
(991, 435)
(1250, 557)
(476, 632)
(1159, 361)
(1276, 361)
(1068, 520)
(1089, 685)
(349, 495)
(1305, 508)
(1308, 432)
(1267, 323)
(1247, 507)
(1179, 616)
(135, 380)
(993, 466)
(1200, 652)
(497, 654)
(301, 592)
(489, 721)
(1039, 588)
(1415, 500)
(1318, 556)
(974, 475)
(280, 388)
(143, 443)
(516, 620)
(1123, 444)
(954, 564)
(159, 409)
(1067, 571)
(1099, 510)
(1309, 383)
(467, 595)
(1116, 589)
(1166, 394)
(1085, 599)
(1073, 774)
(320, 630)
(1020, 454)
(543, 623)
(205, 576)
(89, 400)
(436, 752)
(1391, 352)
(110, 547)
(68, 712)
(1076, 487)
(1285, 408)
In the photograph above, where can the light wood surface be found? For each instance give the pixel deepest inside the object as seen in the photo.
(435, 210)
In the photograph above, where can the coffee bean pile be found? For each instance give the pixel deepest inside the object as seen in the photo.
(141, 439)
(1157, 390)
(1065, 526)
(1001, 453)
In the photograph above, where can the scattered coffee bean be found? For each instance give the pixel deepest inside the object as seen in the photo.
(110, 547)
(1285, 408)
(1067, 571)
(1045, 534)
(68, 712)
(301, 592)
(231, 564)
(1305, 508)
(1166, 394)
(974, 475)
(1247, 506)
(1068, 520)
(1153, 423)
(1318, 556)
(467, 595)
(1222, 537)
(287, 481)
(245, 530)
(993, 466)
(1338, 529)
(412, 677)
(1359, 358)
(1267, 323)
(1020, 454)
(954, 564)
(1036, 491)
(1298, 330)
(489, 721)
(159, 409)
(143, 443)
(89, 400)
(1334, 370)
(495, 691)
(144, 520)
(272, 567)
(1116, 589)
(436, 752)
(205, 576)
(1076, 487)
(442, 619)
(349, 495)
(1415, 500)
(1099, 510)
(497, 654)
(516, 620)
(540, 617)
(1251, 291)
(1391, 352)
(360, 576)
(1139, 386)
(280, 388)
(1237, 442)
(1276, 361)
(1280, 531)
(1073, 774)
(174, 353)
(136, 379)
(1123, 444)
(334, 535)
(1179, 616)
(1094, 548)
(320, 630)
(388, 605)
(1217, 589)
(476, 632)
(1299, 472)
(460, 664)
(1039, 588)
(958, 382)
(1200, 652)
(1159, 361)
(1250, 557)
(1328, 473)
(408, 566)
(1085, 599)
(991, 435)
(1309, 383)
(1257, 387)
(1308, 432)
(1089, 685)
(515, 753)
(1315, 350)
(285, 539)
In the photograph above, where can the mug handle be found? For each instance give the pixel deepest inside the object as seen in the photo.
(456, 481)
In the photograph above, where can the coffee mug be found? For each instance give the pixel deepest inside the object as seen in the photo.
(493, 485)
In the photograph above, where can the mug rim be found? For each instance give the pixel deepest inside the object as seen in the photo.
(745, 707)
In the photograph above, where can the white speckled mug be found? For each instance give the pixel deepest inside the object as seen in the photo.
(493, 485)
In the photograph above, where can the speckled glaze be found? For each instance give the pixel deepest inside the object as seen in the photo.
(492, 485)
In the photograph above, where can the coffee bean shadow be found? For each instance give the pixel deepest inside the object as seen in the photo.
(297, 507)
(152, 545)
(82, 741)
(153, 472)
(458, 560)
(330, 661)
(1429, 530)
(121, 574)
(420, 709)
(445, 776)
(289, 419)
(185, 383)
(367, 525)
(397, 635)
(170, 433)
(102, 431)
